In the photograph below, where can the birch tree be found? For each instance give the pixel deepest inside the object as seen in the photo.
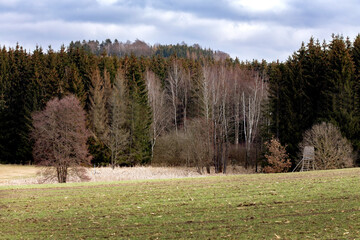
(159, 108)
(251, 108)
(175, 82)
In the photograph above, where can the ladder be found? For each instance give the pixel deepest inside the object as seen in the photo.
(307, 165)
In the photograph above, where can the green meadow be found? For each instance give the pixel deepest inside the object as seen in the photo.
(311, 205)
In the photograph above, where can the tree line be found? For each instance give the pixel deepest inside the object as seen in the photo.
(318, 83)
(133, 103)
(175, 110)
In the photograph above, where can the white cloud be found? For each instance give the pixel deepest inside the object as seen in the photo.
(259, 5)
(106, 2)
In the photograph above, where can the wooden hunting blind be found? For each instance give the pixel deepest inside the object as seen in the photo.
(307, 162)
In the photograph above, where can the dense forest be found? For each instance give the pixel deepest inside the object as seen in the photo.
(140, 48)
(178, 104)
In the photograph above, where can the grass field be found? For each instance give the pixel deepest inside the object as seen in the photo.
(313, 205)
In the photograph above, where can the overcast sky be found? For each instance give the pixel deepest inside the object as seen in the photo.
(248, 29)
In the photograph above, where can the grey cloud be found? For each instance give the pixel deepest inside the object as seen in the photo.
(54, 22)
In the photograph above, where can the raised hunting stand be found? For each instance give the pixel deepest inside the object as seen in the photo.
(307, 163)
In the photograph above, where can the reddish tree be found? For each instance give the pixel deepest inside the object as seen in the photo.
(277, 157)
(60, 137)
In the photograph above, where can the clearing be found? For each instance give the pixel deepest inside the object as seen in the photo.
(310, 205)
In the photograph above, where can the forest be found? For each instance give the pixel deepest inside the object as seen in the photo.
(179, 105)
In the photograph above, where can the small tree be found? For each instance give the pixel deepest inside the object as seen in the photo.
(332, 150)
(60, 137)
(277, 158)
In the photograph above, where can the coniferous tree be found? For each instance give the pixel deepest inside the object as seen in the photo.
(74, 83)
(118, 137)
(98, 115)
(139, 112)
(340, 92)
(17, 147)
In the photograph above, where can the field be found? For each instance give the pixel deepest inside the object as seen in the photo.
(312, 205)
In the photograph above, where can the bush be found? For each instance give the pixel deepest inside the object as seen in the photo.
(168, 149)
(332, 150)
(277, 158)
(190, 148)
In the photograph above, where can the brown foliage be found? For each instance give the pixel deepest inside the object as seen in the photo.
(332, 150)
(60, 137)
(277, 157)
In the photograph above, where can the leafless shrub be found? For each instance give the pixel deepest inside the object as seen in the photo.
(197, 145)
(168, 149)
(191, 148)
(332, 150)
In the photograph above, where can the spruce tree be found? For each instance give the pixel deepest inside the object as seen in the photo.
(138, 111)
(341, 92)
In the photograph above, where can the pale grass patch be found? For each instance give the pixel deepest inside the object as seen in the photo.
(21, 175)
(17, 174)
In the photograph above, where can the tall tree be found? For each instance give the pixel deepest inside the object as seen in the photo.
(252, 102)
(118, 138)
(340, 92)
(98, 116)
(139, 120)
(98, 112)
(159, 108)
(17, 120)
(175, 86)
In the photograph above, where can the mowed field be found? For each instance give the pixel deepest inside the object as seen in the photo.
(313, 205)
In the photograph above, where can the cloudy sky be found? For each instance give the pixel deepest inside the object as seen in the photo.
(248, 29)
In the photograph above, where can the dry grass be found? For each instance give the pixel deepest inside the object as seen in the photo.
(17, 173)
(21, 175)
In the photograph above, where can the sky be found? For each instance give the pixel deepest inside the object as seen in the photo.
(247, 29)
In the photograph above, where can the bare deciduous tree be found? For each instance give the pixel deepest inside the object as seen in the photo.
(60, 137)
(159, 108)
(176, 83)
(332, 150)
(251, 101)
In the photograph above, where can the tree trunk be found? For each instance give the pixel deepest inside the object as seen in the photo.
(61, 174)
